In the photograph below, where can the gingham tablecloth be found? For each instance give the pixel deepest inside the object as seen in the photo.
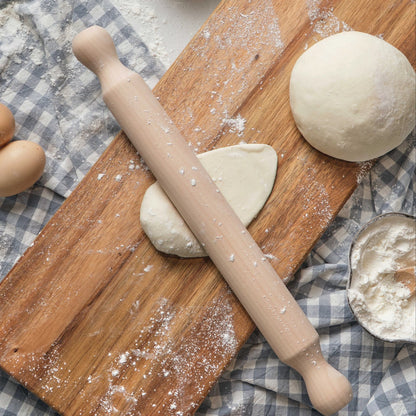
(58, 104)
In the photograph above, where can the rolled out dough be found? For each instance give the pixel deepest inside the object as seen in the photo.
(245, 175)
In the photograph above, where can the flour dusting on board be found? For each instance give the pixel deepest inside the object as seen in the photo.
(236, 124)
(249, 39)
(149, 358)
(316, 199)
(324, 22)
(51, 369)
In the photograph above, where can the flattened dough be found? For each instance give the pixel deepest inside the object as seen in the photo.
(245, 175)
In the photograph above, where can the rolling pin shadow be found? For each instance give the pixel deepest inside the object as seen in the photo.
(225, 239)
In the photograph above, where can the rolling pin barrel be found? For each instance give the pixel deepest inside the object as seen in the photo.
(212, 220)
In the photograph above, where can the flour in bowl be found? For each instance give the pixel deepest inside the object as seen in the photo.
(384, 306)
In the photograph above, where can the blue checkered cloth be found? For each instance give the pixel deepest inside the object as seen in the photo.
(58, 104)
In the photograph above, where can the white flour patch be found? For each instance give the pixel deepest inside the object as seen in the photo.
(148, 26)
(15, 37)
(324, 22)
(236, 124)
(364, 168)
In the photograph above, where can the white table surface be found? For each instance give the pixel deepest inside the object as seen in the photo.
(166, 26)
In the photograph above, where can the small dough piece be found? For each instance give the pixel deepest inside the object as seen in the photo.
(244, 174)
(353, 96)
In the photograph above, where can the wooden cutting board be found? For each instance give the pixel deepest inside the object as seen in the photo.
(93, 319)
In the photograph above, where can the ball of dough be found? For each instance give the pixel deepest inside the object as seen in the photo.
(353, 96)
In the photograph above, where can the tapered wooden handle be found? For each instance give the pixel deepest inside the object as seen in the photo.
(212, 220)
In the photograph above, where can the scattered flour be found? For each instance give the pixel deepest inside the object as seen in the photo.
(324, 22)
(150, 357)
(364, 168)
(166, 26)
(148, 25)
(14, 39)
(236, 124)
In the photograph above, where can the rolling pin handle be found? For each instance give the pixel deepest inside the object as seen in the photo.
(95, 49)
(328, 389)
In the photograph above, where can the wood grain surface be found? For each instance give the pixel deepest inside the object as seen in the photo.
(93, 319)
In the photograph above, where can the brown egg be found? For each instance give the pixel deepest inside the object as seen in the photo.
(7, 125)
(21, 165)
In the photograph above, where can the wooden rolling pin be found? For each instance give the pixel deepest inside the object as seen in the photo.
(225, 239)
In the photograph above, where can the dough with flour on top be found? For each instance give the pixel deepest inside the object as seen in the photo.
(353, 96)
(244, 174)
